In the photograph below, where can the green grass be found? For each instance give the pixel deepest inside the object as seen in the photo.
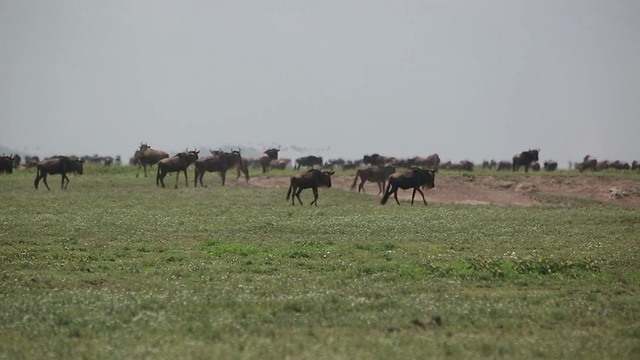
(115, 267)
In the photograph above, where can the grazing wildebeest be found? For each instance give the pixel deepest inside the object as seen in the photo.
(414, 178)
(308, 161)
(220, 162)
(374, 159)
(535, 166)
(176, 164)
(525, 159)
(6, 164)
(504, 165)
(490, 165)
(430, 162)
(266, 158)
(313, 179)
(589, 162)
(378, 174)
(280, 164)
(550, 165)
(57, 165)
(146, 156)
(635, 164)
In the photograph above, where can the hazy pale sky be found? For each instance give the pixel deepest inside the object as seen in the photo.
(466, 79)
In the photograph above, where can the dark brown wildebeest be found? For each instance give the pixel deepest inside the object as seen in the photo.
(308, 161)
(550, 165)
(414, 178)
(635, 164)
(525, 159)
(535, 166)
(430, 162)
(241, 164)
(374, 159)
(589, 162)
(504, 165)
(146, 156)
(6, 164)
(313, 179)
(176, 164)
(266, 158)
(220, 162)
(377, 174)
(57, 165)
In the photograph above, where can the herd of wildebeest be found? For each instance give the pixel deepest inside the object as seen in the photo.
(418, 172)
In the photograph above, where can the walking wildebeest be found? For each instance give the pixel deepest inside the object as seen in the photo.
(146, 156)
(414, 178)
(266, 158)
(589, 162)
(313, 179)
(176, 164)
(550, 165)
(57, 165)
(6, 164)
(525, 159)
(308, 161)
(377, 174)
(220, 162)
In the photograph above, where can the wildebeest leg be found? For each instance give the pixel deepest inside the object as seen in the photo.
(186, 180)
(64, 186)
(297, 192)
(361, 186)
(223, 176)
(395, 195)
(44, 180)
(421, 193)
(315, 197)
(177, 176)
(380, 187)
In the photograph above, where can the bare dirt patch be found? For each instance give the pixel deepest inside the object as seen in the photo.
(486, 189)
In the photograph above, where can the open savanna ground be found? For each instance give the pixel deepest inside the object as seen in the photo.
(115, 267)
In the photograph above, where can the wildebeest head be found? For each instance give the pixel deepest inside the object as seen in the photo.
(272, 153)
(6, 164)
(323, 178)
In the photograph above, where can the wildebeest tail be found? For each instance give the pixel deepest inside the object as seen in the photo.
(387, 193)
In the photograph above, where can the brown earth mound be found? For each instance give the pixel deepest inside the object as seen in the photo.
(487, 189)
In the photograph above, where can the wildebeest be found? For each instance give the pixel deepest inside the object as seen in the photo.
(489, 165)
(309, 161)
(374, 159)
(280, 164)
(176, 164)
(635, 165)
(414, 178)
(377, 174)
(550, 165)
(313, 179)
(504, 165)
(6, 164)
(57, 165)
(266, 158)
(525, 159)
(589, 162)
(220, 162)
(146, 156)
(430, 162)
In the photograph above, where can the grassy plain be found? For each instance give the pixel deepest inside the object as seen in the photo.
(115, 267)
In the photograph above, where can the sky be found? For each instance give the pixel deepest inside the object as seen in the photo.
(469, 80)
